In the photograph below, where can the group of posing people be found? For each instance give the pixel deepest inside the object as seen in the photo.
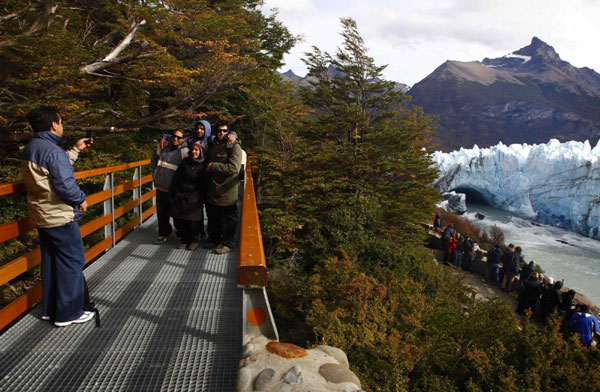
(189, 174)
(538, 293)
(193, 173)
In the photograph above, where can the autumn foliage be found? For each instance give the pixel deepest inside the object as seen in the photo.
(341, 169)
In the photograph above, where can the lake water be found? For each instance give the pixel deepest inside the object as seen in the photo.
(576, 259)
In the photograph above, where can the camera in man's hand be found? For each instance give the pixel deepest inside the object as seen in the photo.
(90, 137)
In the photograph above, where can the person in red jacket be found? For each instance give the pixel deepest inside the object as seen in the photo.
(449, 248)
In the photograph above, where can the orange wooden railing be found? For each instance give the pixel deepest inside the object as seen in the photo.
(21, 226)
(252, 268)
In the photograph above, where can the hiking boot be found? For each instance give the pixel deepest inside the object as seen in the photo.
(84, 318)
(181, 244)
(193, 246)
(222, 249)
(161, 239)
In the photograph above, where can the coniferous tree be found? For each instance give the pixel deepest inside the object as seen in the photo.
(363, 141)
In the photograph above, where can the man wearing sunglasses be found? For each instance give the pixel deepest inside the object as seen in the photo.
(164, 163)
(222, 197)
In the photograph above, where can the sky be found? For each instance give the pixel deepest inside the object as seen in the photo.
(413, 37)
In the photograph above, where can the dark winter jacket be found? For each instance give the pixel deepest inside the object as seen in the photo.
(437, 222)
(552, 298)
(188, 190)
(515, 264)
(529, 295)
(165, 162)
(53, 196)
(448, 232)
(224, 170)
(468, 248)
(526, 272)
(567, 304)
(494, 255)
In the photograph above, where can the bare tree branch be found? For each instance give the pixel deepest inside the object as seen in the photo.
(113, 57)
(115, 113)
(16, 15)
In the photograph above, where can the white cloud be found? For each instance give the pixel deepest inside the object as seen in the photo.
(416, 37)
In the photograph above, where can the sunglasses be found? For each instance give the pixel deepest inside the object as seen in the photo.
(222, 130)
(177, 137)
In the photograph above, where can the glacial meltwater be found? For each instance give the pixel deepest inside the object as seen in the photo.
(562, 254)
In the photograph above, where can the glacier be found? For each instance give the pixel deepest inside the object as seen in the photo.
(554, 183)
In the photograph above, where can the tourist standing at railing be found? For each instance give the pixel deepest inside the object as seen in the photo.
(446, 236)
(493, 261)
(437, 222)
(55, 203)
(224, 169)
(188, 193)
(163, 165)
(584, 324)
(507, 268)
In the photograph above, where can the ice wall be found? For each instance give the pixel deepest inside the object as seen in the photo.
(554, 183)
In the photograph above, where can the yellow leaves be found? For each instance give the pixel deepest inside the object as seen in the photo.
(180, 75)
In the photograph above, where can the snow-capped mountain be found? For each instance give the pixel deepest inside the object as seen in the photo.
(554, 183)
(527, 96)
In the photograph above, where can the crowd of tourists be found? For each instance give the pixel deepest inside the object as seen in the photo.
(506, 268)
(460, 251)
(194, 173)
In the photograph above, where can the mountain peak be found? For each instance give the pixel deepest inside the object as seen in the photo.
(289, 73)
(536, 54)
(538, 48)
(535, 41)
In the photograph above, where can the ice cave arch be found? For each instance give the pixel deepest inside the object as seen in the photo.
(475, 195)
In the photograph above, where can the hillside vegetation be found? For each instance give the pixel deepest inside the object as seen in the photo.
(343, 179)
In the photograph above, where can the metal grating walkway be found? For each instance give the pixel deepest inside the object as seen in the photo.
(171, 321)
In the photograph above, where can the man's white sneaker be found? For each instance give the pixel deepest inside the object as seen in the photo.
(46, 318)
(84, 318)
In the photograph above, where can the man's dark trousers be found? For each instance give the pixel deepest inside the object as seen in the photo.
(63, 260)
(163, 206)
(225, 224)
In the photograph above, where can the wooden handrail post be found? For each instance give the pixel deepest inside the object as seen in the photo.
(138, 173)
(112, 208)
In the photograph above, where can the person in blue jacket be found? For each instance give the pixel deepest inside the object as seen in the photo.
(55, 204)
(437, 222)
(584, 324)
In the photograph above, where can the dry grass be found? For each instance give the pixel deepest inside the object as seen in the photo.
(466, 228)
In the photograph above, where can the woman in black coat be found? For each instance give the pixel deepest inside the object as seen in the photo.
(188, 194)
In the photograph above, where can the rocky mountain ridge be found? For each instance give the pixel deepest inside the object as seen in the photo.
(528, 96)
(304, 81)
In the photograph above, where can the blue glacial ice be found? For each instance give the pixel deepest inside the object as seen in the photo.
(553, 183)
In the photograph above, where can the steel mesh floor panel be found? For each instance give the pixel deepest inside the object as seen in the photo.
(171, 321)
